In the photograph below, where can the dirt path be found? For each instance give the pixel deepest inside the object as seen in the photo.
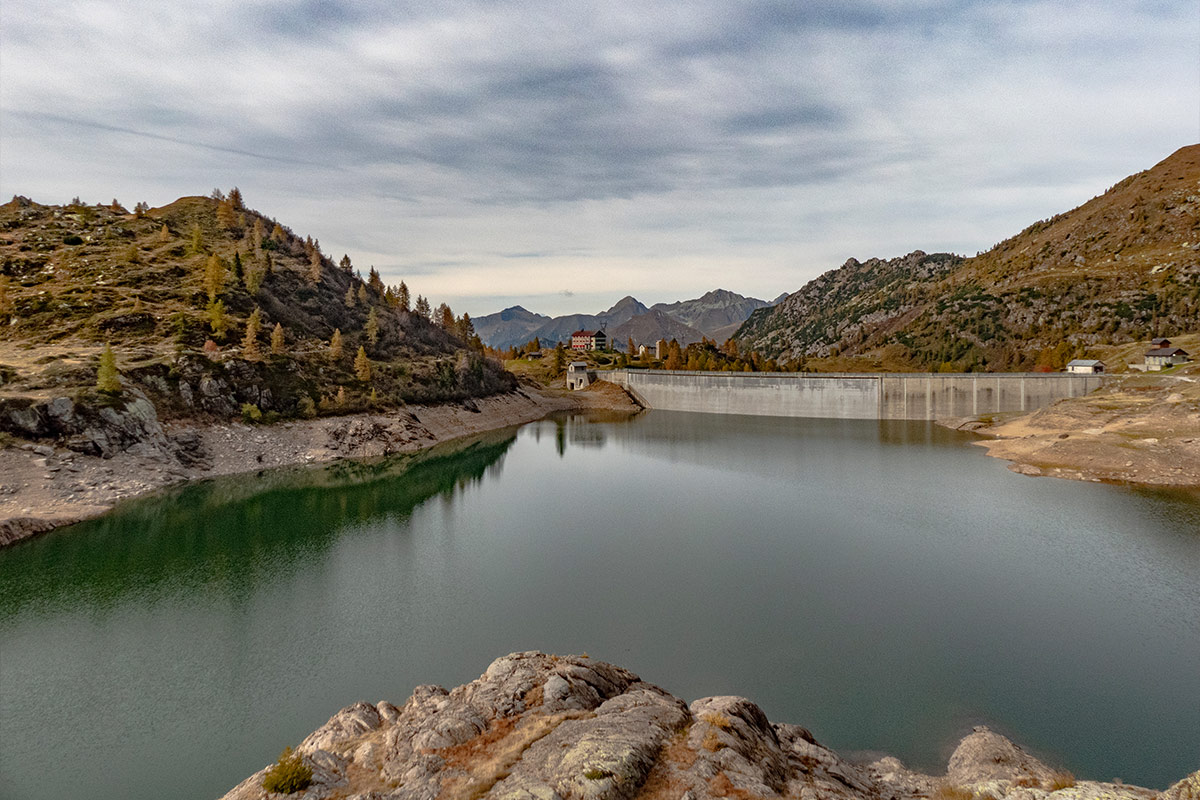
(43, 487)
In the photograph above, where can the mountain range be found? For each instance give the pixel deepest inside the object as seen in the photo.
(715, 315)
(1123, 267)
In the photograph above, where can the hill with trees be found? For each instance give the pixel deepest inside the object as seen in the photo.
(1123, 267)
(213, 308)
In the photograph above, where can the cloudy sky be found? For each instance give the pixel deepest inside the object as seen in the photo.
(563, 154)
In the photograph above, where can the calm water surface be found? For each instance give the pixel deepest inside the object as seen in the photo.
(880, 583)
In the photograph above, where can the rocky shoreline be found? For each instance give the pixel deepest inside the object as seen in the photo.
(1138, 431)
(43, 487)
(545, 727)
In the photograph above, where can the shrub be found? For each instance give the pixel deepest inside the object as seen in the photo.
(596, 774)
(251, 413)
(72, 239)
(287, 775)
(717, 720)
(1063, 779)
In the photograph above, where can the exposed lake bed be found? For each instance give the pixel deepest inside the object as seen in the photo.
(879, 583)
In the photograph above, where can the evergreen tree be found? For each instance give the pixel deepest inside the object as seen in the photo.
(214, 277)
(402, 292)
(362, 365)
(278, 345)
(250, 342)
(632, 348)
(375, 281)
(335, 345)
(560, 358)
(422, 307)
(108, 380)
(345, 264)
(235, 199)
(238, 272)
(372, 327)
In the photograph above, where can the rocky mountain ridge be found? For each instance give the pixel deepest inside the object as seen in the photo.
(716, 315)
(1125, 266)
(572, 728)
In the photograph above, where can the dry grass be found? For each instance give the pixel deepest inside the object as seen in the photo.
(489, 757)
(948, 791)
(717, 720)
(1063, 779)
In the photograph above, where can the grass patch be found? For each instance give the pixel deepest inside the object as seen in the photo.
(948, 791)
(1063, 779)
(287, 775)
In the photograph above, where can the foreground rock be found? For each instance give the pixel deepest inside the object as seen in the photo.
(544, 727)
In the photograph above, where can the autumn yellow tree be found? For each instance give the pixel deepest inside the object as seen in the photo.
(217, 319)
(214, 276)
(314, 267)
(278, 345)
(362, 365)
(108, 380)
(335, 345)
(350, 298)
(250, 342)
(372, 327)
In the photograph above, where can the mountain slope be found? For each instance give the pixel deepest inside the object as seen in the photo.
(648, 328)
(508, 328)
(159, 285)
(1122, 267)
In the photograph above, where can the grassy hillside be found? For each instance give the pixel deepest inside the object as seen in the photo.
(173, 290)
(1122, 268)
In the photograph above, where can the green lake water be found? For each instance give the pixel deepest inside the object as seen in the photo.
(881, 583)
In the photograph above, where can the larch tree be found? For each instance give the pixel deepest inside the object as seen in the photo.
(375, 281)
(362, 365)
(259, 233)
(225, 216)
(214, 276)
(350, 297)
(164, 234)
(445, 318)
(278, 345)
(632, 347)
(277, 234)
(363, 295)
(335, 345)
(372, 327)
(345, 264)
(217, 319)
(108, 380)
(235, 199)
(314, 267)
(196, 242)
(253, 327)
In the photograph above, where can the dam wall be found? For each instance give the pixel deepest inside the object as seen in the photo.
(919, 396)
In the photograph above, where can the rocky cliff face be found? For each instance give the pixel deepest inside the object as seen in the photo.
(537, 726)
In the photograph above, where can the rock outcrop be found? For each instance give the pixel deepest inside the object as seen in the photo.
(544, 727)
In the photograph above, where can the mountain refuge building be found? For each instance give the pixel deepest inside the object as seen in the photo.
(589, 340)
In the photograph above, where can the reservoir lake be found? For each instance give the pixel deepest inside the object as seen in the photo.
(884, 584)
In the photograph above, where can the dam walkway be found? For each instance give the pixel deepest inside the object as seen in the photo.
(910, 395)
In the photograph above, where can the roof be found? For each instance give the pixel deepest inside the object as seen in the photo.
(581, 333)
(1167, 351)
(1086, 362)
(1160, 341)
(579, 364)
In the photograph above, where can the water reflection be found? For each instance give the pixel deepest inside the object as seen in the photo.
(225, 534)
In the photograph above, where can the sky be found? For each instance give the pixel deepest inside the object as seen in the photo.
(563, 155)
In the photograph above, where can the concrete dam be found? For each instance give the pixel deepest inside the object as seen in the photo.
(894, 395)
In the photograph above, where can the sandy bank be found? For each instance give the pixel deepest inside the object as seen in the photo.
(1140, 430)
(44, 487)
